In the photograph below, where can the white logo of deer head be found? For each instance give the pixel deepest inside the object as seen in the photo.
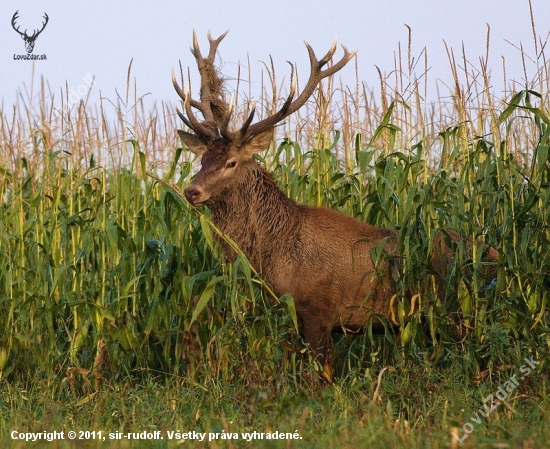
(29, 40)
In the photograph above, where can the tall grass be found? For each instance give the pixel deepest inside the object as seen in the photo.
(107, 274)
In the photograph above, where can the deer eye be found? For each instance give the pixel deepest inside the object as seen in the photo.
(231, 164)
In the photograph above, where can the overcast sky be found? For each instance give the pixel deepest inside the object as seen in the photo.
(101, 37)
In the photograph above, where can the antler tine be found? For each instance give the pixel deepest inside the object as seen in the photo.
(195, 50)
(191, 121)
(183, 118)
(214, 45)
(248, 121)
(180, 93)
(324, 59)
(228, 135)
(340, 64)
(177, 86)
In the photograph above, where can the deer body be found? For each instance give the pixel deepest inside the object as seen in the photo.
(319, 256)
(322, 257)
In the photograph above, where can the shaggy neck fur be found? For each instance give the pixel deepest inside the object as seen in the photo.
(257, 216)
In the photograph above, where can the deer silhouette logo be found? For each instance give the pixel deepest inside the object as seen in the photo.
(29, 40)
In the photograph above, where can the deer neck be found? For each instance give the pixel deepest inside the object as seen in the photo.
(257, 216)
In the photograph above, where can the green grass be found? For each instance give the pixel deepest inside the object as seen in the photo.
(120, 314)
(420, 408)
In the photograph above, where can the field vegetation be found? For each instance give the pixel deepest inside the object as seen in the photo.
(119, 313)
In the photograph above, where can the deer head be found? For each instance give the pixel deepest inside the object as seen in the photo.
(223, 151)
(29, 40)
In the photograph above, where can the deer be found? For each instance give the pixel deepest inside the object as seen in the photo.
(29, 40)
(320, 256)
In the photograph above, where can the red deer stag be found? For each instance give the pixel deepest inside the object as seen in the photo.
(321, 257)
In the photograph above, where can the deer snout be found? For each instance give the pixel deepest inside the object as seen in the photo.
(194, 194)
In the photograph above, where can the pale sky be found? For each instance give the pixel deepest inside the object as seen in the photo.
(101, 37)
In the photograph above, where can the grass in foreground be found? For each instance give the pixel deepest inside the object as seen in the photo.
(416, 408)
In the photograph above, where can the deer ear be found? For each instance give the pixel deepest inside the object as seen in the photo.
(257, 143)
(194, 143)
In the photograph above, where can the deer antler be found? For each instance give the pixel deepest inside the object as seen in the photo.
(289, 106)
(317, 74)
(212, 104)
(217, 113)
